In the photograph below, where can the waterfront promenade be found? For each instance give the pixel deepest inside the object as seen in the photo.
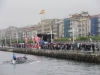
(83, 56)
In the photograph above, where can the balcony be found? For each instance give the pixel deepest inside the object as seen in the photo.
(79, 25)
(54, 26)
(99, 26)
(71, 26)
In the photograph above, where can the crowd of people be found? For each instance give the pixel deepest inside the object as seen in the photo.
(79, 46)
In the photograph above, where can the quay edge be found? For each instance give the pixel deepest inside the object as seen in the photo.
(70, 55)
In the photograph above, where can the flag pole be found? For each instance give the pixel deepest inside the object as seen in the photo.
(40, 17)
(17, 36)
(44, 14)
(51, 33)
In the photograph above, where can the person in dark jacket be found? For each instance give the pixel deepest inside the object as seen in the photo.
(93, 48)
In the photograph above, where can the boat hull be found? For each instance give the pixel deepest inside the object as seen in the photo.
(19, 60)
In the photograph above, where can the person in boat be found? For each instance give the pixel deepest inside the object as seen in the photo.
(14, 57)
(25, 56)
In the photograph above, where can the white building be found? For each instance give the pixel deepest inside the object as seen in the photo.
(84, 27)
(57, 28)
(80, 23)
(74, 24)
(2, 33)
(29, 32)
(61, 30)
(44, 27)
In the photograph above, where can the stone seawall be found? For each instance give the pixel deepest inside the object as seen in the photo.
(70, 55)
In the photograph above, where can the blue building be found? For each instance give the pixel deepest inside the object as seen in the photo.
(94, 26)
(66, 27)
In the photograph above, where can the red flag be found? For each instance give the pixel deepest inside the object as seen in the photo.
(56, 37)
(26, 39)
(33, 39)
(37, 39)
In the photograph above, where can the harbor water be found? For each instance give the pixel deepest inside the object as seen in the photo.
(40, 65)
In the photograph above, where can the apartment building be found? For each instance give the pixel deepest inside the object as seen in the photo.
(80, 23)
(29, 32)
(11, 30)
(2, 33)
(99, 25)
(44, 27)
(84, 27)
(57, 28)
(73, 24)
(94, 25)
(61, 29)
(66, 28)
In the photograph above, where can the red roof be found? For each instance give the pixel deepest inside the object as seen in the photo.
(94, 16)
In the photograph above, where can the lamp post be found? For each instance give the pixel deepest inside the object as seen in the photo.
(2, 42)
(73, 34)
(5, 40)
(51, 33)
(10, 40)
(17, 37)
(51, 36)
(73, 30)
(81, 30)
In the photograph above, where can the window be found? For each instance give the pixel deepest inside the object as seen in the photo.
(54, 29)
(54, 26)
(48, 28)
(79, 34)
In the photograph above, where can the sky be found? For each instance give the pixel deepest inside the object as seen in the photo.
(20, 13)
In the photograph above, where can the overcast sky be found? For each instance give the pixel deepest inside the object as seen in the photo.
(21, 13)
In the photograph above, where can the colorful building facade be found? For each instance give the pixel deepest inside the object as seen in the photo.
(66, 27)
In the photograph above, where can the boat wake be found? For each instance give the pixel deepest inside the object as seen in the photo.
(6, 62)
(27, 61)
(37, 61)
(1, 62)
(32, 62)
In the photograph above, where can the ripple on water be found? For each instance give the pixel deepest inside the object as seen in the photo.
(46, 66)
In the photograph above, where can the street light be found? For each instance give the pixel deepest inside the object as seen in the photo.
(73, 33)
(17, 37)
(5, 40)
(10, 40)
(51, 33)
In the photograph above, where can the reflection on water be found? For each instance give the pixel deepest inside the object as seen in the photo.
(46, 66)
